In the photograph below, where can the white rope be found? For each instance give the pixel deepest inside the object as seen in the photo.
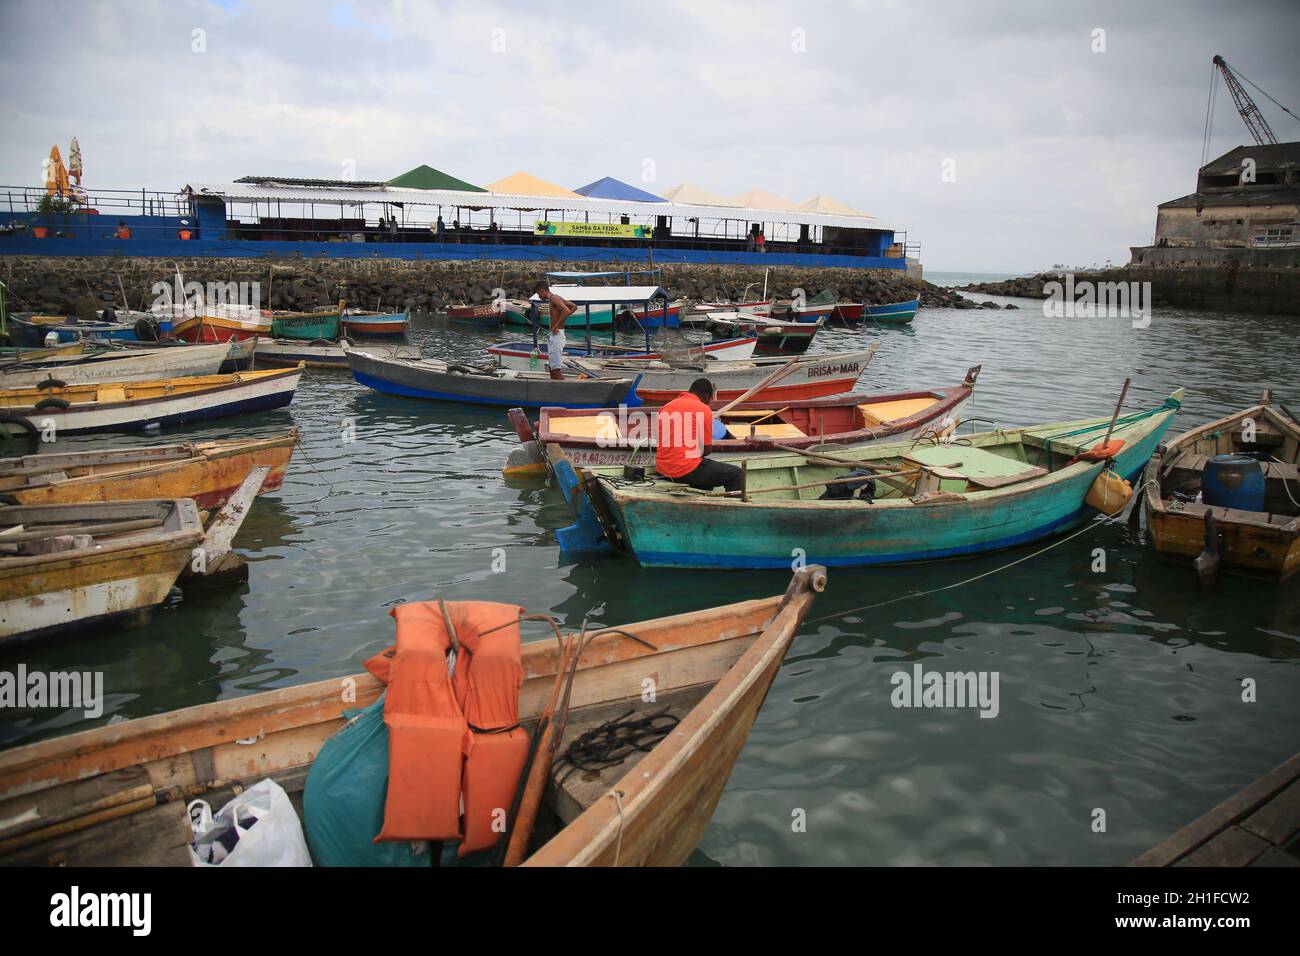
(618, 801)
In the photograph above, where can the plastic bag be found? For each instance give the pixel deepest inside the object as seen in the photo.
(257, 828)
(343, 803)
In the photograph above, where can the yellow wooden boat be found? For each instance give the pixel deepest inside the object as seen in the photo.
(117, 794)
(208, 472)
(1193, 515)
(73, 565)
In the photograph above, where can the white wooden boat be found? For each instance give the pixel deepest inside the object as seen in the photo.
(125, 365)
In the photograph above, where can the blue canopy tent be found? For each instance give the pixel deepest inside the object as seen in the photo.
(610, 188)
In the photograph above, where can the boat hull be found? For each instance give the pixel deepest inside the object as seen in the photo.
(394, 324)
(420, 380)
(52, 593)
(210, 476)
(814, 377)
(124, 366)
(519, 355)
(895, 313)
(218, 329)
(214, 397)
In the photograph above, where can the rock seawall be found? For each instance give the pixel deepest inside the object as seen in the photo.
(83, 285)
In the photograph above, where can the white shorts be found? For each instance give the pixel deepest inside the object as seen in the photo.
(555, 351)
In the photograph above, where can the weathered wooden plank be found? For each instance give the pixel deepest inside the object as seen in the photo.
(1277, 820)
(1226, 814)
(1231, 847)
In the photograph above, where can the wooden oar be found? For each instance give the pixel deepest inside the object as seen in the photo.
(1118, 405)
(772, 379)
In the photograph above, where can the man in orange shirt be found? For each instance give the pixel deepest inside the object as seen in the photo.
(685, 425)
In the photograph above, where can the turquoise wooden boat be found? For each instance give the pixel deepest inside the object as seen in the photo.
(895, 313)
(985, 492)
(306, 326)
(517, 313)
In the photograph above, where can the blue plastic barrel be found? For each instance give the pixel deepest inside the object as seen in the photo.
(1233, 481)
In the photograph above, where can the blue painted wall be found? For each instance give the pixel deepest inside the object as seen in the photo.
(102, 227)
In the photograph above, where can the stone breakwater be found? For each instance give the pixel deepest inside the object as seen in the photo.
(81, 286)
(1218, 281)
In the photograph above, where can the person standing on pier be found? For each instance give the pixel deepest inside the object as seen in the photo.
(682, 427)
(561, 309)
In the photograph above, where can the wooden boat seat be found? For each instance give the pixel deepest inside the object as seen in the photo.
(981, 468)
(110, 393)
(772, 430)
(882, 413)
(586, 426)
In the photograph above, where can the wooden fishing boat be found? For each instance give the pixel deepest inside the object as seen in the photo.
(118, 365)
(208, 472)
(130, 406)
(356, 322)
(811, 376)
(221, 324)
(487, 385)
(241, 355)
(792, 311)
(697, 313)
(287, 352)
(893, 313)
(1246, 517)
(307, 326)
(603, 438)
(931, 500)
(76, 564)
(520, 312)
(487, 315)
(847, 312)
(774, 337)
(33, 329)
(10, 354)
(117, 794)
(523, 355)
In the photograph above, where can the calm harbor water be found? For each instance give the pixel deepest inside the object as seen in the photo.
(1120, 690)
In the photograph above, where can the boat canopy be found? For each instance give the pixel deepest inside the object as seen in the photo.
(611, 188)
(612, 294)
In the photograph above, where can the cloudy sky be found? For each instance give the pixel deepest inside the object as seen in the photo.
(1057, 152)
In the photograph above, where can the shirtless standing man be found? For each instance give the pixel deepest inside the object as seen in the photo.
(561, 309)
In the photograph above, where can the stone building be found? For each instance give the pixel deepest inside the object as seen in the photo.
(1248, 198)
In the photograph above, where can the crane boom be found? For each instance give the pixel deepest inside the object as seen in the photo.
(1250, 113)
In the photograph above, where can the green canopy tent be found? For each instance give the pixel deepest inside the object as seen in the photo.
(426, 177)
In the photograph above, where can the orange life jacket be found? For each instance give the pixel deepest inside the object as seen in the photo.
(683, 426)
(449, 737)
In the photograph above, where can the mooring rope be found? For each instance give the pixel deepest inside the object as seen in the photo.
(1092, 526)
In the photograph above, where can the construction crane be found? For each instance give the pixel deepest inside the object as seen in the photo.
(1250, 113)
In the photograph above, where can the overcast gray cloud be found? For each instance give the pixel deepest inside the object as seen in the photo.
(1060, 153)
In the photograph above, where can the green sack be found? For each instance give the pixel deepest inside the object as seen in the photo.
(343, 802)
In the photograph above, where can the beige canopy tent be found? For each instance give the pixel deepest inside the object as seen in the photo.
(526, 184)
(762, 199)
(827, 204)
(693, 195)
